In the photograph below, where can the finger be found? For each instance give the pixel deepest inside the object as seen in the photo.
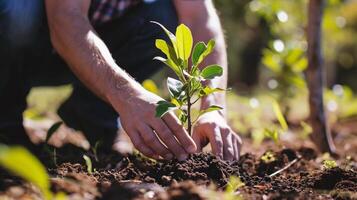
(228, 150)
(197, 139)
(181, 134)
(169, 139)
(140, 145)
(239, 145)
(215, 139)
(151, 140)
(235, 148)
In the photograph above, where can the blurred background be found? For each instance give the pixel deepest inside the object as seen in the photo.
(267, 58)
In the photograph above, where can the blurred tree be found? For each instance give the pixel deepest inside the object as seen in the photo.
(321, 133)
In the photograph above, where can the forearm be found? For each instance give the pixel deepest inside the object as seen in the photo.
(205, 27)
(88, 57)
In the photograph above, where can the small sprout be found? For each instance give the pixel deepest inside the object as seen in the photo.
(279, 116)
(272, 134)
(329, 164)
(234, 184)
(268, 157)
(47, 147)
(52, 130)
(189, 88)
(95, 149)
(88, 164)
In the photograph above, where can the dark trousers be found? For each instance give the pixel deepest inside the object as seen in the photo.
(27, 59)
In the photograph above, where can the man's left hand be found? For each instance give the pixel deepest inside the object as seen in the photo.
(213, 128)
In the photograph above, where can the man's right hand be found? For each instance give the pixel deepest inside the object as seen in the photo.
(75, 40)
(151, 135)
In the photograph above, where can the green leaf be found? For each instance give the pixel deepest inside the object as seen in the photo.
(211, 71)
(300, 65)
(163, 107)
(271, 61)
(209, 49)
(170, 64)
(21, 162)
(272, 134)
(208, 90)
(88, 163)
(210, 109)
(52, 130)
(170, 35)
(293, 56)
(198, 50)
(184, 42)
(279, 116)
(167, 50)
(175, 87)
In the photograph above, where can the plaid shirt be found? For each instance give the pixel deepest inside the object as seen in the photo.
(106, 10)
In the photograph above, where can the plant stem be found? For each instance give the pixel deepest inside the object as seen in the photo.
(189, 124)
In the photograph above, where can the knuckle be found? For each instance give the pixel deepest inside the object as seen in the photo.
(166, 135)
(149, 139)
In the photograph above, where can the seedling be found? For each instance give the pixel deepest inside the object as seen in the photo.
(329, 164)
(95, 149)
(22, 163)
(230, 193)
(88, 164)
(189, 88)
(47, 147)
(268, 157)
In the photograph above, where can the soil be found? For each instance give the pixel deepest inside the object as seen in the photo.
(201, 177)
(136, 177)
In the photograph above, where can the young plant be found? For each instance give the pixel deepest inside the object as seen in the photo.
(47, 148)
(189, 88)
(88, 164)
(329, 164)
(22, 163)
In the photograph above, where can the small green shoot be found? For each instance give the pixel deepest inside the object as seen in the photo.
(234, 184)
(47, 147)
(95, 149)
(52, 130)
(279, 116)
(268, 157)
(329, 164)
(190, 87)
(230, 193)
(88, 164)
(272, 134)
(22, 163)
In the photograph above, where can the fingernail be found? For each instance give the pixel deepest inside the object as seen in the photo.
(168, 156)
(182, 157)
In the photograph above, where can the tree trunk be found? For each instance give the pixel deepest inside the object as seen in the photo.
(321, 135)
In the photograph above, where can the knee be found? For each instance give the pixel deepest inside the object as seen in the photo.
(20, 20)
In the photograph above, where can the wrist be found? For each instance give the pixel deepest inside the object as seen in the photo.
(120, 90)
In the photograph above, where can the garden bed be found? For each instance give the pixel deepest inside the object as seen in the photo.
(201, 176)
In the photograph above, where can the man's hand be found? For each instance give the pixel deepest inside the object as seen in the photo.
(213, 128)
(151, 135)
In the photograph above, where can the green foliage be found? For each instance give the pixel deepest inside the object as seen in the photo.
(268, 157)
(52, 130)
(234, 184)
(88, 164)
(272, 134)
(329, 164)
(191, 78)
(279, 116)
(22, 163)
(52, 150)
